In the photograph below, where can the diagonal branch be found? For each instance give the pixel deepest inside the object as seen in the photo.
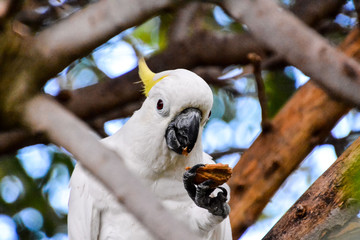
(87, 29)
(327, 206)
(304, 122)
(301, 46)
(66, 130)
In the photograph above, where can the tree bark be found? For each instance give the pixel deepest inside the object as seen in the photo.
(328, 209)
(303, 48)
(28, 62)
(304, 122)
(93, 26)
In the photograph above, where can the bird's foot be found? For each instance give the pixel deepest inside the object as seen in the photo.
(200, 194)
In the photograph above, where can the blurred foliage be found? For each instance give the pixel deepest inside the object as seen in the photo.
(217, 19)
(278, 88)
(153, 34)
(81, 73)
(32, 195)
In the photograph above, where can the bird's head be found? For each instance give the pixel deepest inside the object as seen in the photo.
(179, 102)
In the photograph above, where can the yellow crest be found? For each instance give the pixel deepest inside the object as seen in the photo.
(146, 76)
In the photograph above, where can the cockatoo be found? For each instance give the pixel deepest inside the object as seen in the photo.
(157, 143)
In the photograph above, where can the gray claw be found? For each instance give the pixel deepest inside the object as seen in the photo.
(200, 194)
(188, 180)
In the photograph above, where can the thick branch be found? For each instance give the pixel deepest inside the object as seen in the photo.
(303, 123)
(301, 46)
(8, 8)
(312, 12)
(327, 206)
(32, 61)
(66, 130)
(87, 29)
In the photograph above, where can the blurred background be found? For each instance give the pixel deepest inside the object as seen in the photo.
(34, 180)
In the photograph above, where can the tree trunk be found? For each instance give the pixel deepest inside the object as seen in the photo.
(328, 209)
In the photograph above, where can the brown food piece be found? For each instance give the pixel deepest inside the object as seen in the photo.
(219, 173)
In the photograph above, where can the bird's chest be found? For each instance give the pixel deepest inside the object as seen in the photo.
(171, 194)
(169, 190)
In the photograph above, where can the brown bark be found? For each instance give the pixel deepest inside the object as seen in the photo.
(328, 209)
(312, 12)
(303, 48)
(303, 123)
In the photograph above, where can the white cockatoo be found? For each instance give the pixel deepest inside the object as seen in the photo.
(156, 143)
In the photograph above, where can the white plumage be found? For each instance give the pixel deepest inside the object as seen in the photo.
(95, 214)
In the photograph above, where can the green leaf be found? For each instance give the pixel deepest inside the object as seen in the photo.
(278, 89)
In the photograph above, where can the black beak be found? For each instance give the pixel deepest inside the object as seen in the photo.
(182, 132)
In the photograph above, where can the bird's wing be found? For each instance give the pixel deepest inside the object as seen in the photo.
(84, 217)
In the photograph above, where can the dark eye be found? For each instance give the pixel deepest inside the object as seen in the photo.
(160, 104)
(209, 114)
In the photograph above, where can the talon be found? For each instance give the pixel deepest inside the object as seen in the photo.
(194, 168)
(224, 191)
(222, 196)
(188, 179)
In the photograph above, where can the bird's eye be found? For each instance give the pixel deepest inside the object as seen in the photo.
(209, 114)
(160, 104)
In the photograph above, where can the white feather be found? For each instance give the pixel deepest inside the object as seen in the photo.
(95, 214)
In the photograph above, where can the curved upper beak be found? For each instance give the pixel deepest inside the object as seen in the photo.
(182, 132)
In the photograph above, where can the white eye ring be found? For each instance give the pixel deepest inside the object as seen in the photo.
(162, 107)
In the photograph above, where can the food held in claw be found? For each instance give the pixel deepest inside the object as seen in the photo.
(219, 173)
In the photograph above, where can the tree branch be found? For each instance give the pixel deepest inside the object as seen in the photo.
(8, 8)
(304, 48)
(92, 26)
(304, 122)
(66, 130)
(327, 206)
(357, 8)
(340, 144)
(313, 12)
(256, 62)
(217, 155)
